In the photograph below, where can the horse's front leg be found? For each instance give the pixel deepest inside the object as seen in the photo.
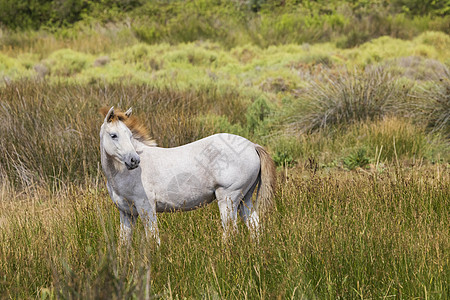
(127, 220)
(127, 223)
(147, 212)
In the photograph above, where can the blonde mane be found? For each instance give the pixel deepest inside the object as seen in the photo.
(139, 131)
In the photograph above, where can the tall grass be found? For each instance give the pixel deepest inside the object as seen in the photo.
(383, 142)
(332, 235)
(381, 232)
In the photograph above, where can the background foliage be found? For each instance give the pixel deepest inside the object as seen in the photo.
(351, 98)
(236, 22)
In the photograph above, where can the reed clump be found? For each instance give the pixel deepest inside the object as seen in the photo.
(348, 98)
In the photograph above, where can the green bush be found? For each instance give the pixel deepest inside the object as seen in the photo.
(25, 13)
(34, 14)
(417, 68)
(286, 150)
(257, 116)
(256, 126)
(234, 22)
(66, 62)
(186, 21)
(213, 124)
(423, 7)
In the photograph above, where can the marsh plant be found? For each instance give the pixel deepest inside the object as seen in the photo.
(435, 105)
(347, 98)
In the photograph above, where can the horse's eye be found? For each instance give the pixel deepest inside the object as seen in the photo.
(113, 136)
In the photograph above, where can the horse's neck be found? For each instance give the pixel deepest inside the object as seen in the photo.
(138, 145)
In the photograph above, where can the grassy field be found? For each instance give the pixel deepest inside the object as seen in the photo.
(360, 136)
(334, 234)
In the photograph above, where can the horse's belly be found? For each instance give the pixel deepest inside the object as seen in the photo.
(184, 192)
(182, 203)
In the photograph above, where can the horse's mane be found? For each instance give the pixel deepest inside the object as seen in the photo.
(139, 131)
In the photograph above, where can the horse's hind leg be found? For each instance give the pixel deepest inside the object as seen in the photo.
(248, 212)
(228, 202)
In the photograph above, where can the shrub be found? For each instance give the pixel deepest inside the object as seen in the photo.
(256, 125)
(347, 98)
(423, 7)
(318, 59)
(34, 14)
(213, 124)
(353, 38)
(185, 21)
(438, 40)
(286, 150)
(257, 116)
(283, 159)
(276, 85)
(14, 67)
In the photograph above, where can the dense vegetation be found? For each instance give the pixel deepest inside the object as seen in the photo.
(351, 98)
(232, 23)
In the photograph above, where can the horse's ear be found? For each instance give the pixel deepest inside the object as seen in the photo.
(109, 115)
(128, 112)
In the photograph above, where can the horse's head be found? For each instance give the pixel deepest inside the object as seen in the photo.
(115, 138)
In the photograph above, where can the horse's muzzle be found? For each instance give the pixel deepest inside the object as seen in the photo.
(134, 163)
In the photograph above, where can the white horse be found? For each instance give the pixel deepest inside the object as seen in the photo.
(143, 179)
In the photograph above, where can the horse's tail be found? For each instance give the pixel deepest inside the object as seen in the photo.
(267, 181)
